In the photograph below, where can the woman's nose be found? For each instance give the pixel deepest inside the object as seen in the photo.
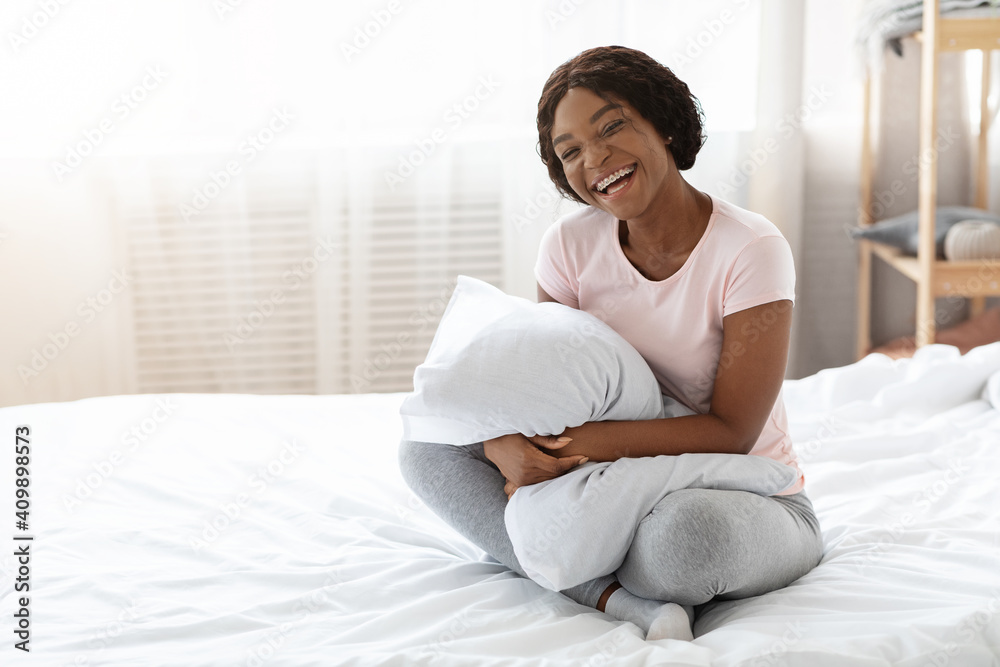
(595, 153)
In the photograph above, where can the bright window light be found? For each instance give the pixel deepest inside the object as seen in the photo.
(345, 71)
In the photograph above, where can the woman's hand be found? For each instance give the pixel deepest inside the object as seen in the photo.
(522, 462)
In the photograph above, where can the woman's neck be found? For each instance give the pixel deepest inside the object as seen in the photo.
(674, 229)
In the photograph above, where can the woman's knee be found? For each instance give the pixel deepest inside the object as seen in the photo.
(700, 524)
(418, 460)
(682, 550)
(423, 464)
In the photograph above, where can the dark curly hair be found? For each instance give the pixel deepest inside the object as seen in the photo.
(649, 87)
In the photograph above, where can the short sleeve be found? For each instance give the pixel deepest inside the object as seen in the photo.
(763, 272)
(553, 270)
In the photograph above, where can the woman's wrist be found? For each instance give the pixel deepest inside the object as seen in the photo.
(578, 441)
(493, 447)
(489, 448)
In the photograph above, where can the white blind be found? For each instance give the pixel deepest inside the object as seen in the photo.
(212, 311)
(415, 256)
(299, 289)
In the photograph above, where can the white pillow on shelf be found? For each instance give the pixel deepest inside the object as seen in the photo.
(971, 240)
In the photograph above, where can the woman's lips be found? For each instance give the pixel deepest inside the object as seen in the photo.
(618, 188)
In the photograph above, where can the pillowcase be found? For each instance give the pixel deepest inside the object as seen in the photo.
(501, 364)
(902, 231)
(554, 526)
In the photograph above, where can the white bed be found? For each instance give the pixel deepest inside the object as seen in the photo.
(328, 559)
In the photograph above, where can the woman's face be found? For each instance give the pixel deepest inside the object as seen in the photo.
(613, 158)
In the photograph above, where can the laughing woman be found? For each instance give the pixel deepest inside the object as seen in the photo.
(703, 290)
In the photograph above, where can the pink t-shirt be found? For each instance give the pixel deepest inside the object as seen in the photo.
(741, 261)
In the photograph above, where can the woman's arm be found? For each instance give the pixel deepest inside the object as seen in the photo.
(749, 376)
(543, 296)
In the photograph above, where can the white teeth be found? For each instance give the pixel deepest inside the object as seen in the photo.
(615, 176)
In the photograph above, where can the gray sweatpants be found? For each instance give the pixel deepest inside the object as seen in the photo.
(696, 545)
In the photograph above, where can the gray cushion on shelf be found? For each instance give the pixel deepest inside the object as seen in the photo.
(902, 231)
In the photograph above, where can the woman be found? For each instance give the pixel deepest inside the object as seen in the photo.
(703, 290)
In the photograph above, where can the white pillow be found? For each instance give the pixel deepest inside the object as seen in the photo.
(501, 364)
(554, 525)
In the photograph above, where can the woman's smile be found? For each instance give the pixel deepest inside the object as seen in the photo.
(616, 184)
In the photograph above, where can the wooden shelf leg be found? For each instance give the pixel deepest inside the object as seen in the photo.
(977, 306)
(927, 249)
(864, 338)
(863, 341)
(982, 163)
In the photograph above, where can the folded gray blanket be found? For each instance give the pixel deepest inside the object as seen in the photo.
(882, 23)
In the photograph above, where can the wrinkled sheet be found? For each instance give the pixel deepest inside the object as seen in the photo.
(192, 529)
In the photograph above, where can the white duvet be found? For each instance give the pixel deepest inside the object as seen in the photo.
(275, 530)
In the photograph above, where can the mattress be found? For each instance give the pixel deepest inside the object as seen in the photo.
(195, 529)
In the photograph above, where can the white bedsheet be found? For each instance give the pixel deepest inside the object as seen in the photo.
(328, 559)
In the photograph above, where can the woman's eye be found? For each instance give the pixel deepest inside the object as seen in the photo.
(613, 126)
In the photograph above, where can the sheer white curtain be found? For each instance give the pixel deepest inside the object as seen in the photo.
(340, 108)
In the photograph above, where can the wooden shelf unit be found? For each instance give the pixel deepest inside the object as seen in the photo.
(934, 278)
